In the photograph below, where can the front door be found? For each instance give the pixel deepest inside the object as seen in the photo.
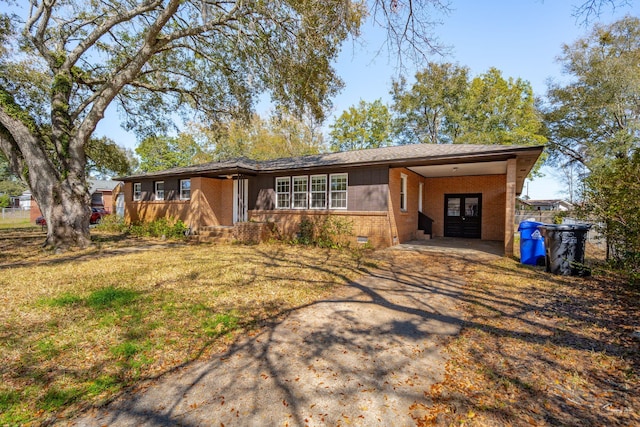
(240, 199)
(462, 215)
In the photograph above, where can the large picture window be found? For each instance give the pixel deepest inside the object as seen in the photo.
(283, 193)
(137, 191)
(185, 189)
(300, 192)
(338, 193)
(319, 192)
(312, 192)
(159, 193)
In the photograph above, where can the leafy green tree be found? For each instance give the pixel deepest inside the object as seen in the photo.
(367, 125)
(9, 184)
(594, 120)
(443, 106)
(281, 135)
(105, 158)
(499, 111)
(430, 110)
(72, 59)
(5, 200)
(164, 152)
(612, 191)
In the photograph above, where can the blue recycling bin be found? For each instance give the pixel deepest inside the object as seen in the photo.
(532, 250)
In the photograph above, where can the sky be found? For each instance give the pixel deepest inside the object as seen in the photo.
(521, 38)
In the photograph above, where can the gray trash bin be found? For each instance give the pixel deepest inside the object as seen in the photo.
(565, 247)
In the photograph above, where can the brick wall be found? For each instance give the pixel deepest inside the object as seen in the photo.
(210, 204)
(493, 189)
(374, 226)
(141, 211)
(405, 221)
(253, 232)
(211, 201)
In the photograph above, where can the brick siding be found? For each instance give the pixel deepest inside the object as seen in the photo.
(493, 189)
(374, 226)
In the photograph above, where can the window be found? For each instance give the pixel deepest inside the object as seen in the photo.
(283, 192)
(185, 189)
(338, 194)
(403, 192)
(319, 192)
(159, 194)
(300, 192)
(137, 191)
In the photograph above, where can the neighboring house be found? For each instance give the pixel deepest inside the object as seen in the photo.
(545, 205)
(102, 196)
(25, 200)
(392, 195)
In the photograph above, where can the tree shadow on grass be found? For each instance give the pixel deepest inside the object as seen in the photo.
(369, 351)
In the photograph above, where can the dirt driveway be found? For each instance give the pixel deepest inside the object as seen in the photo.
(363, 357)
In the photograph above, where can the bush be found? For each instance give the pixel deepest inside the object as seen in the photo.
(168, 228)
(326, 232)
(113, 224)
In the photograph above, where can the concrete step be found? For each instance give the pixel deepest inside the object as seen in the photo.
(421, 235)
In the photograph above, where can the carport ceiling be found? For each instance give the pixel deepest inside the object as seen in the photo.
(461, 169)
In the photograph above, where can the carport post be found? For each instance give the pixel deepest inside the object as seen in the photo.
(510, 208)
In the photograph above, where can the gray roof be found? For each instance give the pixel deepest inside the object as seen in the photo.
(402, 154)
(102, 185)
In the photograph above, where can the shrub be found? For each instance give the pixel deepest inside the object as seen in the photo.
(162, 227)
(325, 232)
(113, 224)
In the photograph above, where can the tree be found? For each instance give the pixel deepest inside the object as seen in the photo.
(368, 125)
(9, 184)
(163, 152)
(431, 109)
(594, 120)
(281, 135)
(499, 111)
(106, 159)
(73, 59)
(444, 106)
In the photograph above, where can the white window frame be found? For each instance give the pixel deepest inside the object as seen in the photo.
(323, 192)
(420, 191)
(305, 194)
(183, 191)
(286, 179)
(403, 192)
(137, 191)
(157, 192)
(332, 191)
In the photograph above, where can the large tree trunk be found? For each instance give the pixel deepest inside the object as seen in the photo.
(67, 211)
(60, 190)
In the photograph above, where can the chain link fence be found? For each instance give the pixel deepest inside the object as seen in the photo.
(14, 214)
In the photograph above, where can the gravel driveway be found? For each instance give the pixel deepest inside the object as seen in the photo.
(362, 357)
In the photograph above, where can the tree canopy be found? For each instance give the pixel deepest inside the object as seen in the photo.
(154, 59)
(367, 125)
(594, 120)
(444, 106)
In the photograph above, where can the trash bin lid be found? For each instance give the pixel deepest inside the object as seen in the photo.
(525, 225)
(565, 227)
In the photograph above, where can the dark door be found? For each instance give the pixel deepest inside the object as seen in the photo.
(462, 215)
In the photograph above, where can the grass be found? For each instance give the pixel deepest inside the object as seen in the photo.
(538, 349)
(13, 222)
(78, 328)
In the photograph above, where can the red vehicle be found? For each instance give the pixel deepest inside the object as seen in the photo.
(96, 216)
